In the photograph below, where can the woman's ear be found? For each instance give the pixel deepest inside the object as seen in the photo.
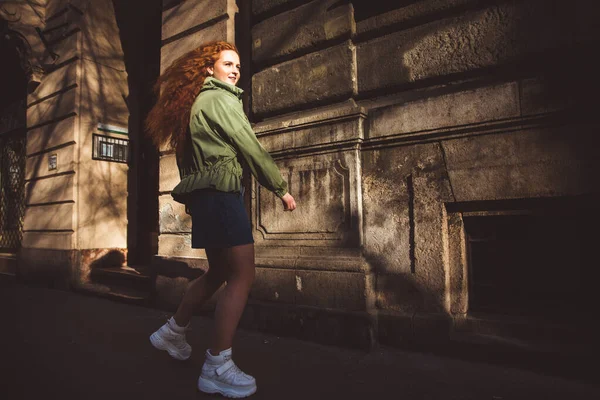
(210, 70)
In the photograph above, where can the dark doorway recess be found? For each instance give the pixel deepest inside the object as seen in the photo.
(140, 33)
(243, 42)
(534, 261)
(13, 82)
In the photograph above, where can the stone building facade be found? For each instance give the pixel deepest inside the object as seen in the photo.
(442, 154)
(75, 205)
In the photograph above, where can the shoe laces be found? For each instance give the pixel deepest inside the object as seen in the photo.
(179, 341)
(236, 371)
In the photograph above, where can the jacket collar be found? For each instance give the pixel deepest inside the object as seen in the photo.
(213, 83)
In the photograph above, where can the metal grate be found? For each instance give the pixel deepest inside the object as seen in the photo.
(12, 190)
(108, 148)
(533, 264)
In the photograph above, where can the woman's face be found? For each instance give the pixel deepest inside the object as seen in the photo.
(227, 67)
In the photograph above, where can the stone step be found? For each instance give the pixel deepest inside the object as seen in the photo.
(118, 293)
(8, 264)
(131, 284)
(132, 277)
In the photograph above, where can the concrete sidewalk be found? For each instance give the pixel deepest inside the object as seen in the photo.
(58, 344)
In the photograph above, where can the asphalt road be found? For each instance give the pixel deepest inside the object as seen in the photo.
(64, 345)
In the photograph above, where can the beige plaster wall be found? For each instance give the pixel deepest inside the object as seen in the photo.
(29, 12)
(191, 23)
(87, 86)
(102, 185)
(81, 206)
(24, 17)
(52, 124)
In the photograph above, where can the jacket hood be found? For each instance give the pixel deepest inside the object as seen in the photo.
(211, 83)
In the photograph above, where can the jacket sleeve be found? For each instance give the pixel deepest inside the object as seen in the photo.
(233, 125)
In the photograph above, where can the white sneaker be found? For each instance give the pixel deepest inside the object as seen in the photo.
(221, 375)
(173, 342)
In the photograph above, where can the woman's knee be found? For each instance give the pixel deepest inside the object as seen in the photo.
(215, 276)
(242, 270)
(217, 264)
(233, 263)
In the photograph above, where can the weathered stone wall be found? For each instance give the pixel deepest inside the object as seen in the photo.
(389, 124)
(382, 123)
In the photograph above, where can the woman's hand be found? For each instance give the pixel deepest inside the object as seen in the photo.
(289, 204)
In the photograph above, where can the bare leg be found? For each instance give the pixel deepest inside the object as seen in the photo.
(240, 276)
(201, 289)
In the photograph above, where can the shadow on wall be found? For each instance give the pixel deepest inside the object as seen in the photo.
(103, 101)
(399, 292)
(172, 278)
(171, 268)
(111, 259)
(404, 189)
(140, 36)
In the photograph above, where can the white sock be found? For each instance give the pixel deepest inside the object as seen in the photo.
(173, 325)
(219, 358)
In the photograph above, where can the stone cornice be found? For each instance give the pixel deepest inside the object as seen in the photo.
(333, 128)
(453, 132)
(345, 127)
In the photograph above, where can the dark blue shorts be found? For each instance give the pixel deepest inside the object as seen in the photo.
(219, 219)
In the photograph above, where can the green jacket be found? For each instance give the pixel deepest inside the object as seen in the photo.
(221, 140)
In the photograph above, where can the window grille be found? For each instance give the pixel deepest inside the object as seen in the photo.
(108, 148)
(532, 263)
(12, 190)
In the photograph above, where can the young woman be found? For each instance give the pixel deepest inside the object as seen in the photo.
(199, 113)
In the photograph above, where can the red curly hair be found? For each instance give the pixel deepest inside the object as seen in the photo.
(176, 89)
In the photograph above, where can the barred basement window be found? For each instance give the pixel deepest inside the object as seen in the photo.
(535, 261)
(110, 149)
